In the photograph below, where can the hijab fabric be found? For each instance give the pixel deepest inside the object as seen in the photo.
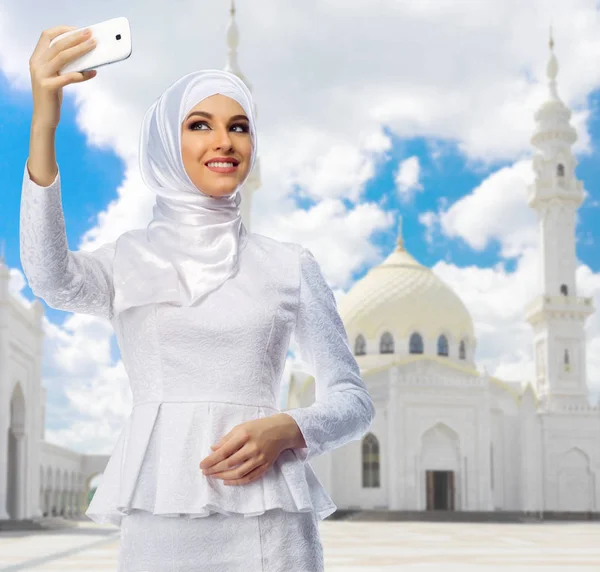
(193, 242)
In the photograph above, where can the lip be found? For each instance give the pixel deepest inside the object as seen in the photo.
(222, 169)
(223, 160)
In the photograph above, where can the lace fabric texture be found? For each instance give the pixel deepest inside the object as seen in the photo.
(196, 372)
(275, 541)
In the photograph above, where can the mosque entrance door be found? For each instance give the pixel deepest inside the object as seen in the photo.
(440, 490)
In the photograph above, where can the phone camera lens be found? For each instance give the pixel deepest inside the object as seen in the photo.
(118, 36)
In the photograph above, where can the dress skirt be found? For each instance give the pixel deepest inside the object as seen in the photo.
(275, 541)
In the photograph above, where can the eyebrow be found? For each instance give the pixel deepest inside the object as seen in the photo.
(210, 116)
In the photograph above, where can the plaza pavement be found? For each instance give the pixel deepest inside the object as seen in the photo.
(350, 546)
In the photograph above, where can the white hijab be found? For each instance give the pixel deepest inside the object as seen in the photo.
(192, 244)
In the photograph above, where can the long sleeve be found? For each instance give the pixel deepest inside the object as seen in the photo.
(72, 281)
(343, 409)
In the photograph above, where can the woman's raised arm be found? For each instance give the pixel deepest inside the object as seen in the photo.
(72, 281)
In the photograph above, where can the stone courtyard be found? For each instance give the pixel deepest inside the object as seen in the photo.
(349, 546)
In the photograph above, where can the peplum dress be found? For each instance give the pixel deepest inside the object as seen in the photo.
(195, 373)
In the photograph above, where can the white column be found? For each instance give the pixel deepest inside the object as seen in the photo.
(4, 461)
(392, 454)
(21, 474)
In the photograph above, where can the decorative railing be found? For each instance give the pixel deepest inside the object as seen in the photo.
(573, 302)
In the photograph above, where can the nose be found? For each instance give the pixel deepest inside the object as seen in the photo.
(222, 139)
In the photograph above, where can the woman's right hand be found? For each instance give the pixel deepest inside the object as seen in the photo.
(44, 65)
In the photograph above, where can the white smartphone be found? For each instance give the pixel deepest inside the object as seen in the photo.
(113, 44)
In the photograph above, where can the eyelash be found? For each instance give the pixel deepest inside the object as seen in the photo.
(245, 128)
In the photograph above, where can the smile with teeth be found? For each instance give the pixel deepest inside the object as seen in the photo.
(219, 164)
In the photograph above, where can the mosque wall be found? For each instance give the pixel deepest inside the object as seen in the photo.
(62, 490)
(498, 457)
(36, 477)
(571, 462)
(442, 427)
(529, 469)
(341, 470)
(511, 461)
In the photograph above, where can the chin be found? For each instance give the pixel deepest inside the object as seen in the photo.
(221, 192)
(216, 190)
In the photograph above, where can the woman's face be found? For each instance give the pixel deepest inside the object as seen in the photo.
(216, 128)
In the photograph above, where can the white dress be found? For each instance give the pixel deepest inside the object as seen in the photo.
(197, 372)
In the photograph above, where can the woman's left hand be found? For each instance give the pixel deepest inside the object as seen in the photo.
(253, 445)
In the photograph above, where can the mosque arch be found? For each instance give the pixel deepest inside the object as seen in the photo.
(442, 345)
(386, 343)
(441, 468)
(462, 350)
(575, 481)
(16, 454)
(415, 344)
(360, 345)
(56, 493)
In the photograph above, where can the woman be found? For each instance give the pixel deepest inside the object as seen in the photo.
(207, 473)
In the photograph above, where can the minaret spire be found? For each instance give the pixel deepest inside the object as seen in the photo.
(253, 182)
(233, 40)
(552, 69)
(400, 241)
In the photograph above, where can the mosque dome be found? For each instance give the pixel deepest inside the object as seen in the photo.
(400, 306)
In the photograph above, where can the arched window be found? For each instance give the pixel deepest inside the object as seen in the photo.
(415, 345)
(560, 170)
(386, 344)
(442, 345)
(462, 352)
(360, 346)
(564, 289)
(567, 361)
(370, 461)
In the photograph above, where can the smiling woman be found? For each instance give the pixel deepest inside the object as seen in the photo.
(207, 473)
(216, 151)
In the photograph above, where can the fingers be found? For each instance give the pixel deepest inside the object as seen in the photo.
(75, 77)
(48, 35)
(243, 473)
(51, 33)
(253, 475)
(67, 50)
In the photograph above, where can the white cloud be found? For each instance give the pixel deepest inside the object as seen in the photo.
(338, 238)
(496, 210)
(429, 220)
(88, 395)
(407, 178)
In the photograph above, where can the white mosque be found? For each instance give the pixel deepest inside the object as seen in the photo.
(445, 437)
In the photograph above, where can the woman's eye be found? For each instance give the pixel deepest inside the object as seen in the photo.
(245, 128)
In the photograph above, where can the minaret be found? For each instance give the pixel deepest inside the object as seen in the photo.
(557, 314)
(253, 182)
